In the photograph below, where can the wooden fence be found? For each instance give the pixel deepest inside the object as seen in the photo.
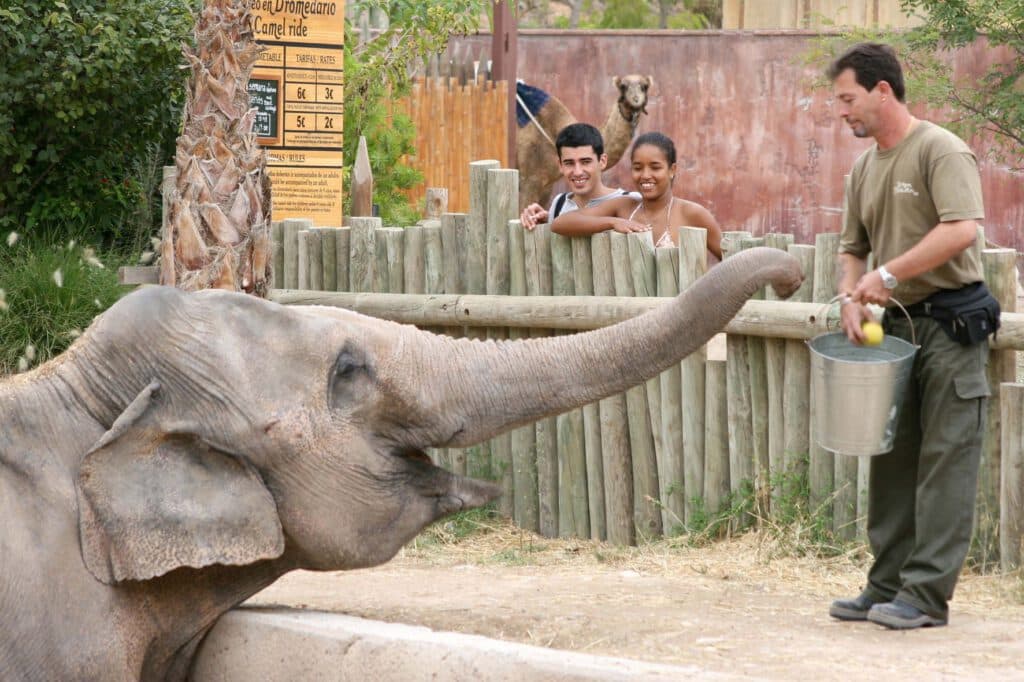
(688, 443)
(456, 121)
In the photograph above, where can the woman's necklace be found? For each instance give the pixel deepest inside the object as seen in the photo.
(668, 213)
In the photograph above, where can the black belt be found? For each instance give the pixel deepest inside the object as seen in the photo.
(922, 309)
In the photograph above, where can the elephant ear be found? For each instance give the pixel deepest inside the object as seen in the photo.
(151, 500)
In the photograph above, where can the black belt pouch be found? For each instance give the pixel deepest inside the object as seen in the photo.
(968, 314)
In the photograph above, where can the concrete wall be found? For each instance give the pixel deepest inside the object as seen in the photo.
(758, 145)
(283, 645)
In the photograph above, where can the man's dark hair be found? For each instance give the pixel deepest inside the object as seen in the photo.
(579, 135)
(659, 140)
(871, 63)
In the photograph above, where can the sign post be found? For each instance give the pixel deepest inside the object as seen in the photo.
(297, 89)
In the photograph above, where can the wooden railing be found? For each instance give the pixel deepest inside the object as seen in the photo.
(683, 445)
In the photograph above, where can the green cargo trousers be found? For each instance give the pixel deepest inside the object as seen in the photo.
(921, 495)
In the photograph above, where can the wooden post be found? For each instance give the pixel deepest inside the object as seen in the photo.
(757, 362)
(716, 438)
(1000, 266)
(413, 262)
(671, 481)
(1011, 498)
(821, 464)
(476, 227)
(436, 203)
(362, 182)
(583, 279)
(380, 260)
(329, 257)
(796, 422)
(291, 228)
(537, 260)
(646, 516)
(504, 54)
(315, 256)
(741, 444)
(394, 238)
(433, 258)
(775, 367)
(342, 250)
(502, 205)
(573, 506)
(277, 251)
(453, 229)
(693, 263)
(362, 252)
(615, 447)
(524, 439)
(303, 260)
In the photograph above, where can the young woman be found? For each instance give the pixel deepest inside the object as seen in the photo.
(654, 169)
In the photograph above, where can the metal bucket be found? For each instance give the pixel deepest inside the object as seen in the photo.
(858, 391)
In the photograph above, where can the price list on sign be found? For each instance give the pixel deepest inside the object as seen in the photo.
(296, 88)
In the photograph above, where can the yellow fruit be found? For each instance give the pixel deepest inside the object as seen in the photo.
(873, 333)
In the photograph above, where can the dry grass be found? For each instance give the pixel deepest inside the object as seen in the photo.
(755, 556)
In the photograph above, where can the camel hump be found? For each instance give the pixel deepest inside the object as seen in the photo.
(533, 98)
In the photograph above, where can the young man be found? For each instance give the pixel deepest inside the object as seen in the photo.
(581, 159)
(913, 200)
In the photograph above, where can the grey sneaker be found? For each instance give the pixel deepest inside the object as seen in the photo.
(851, 609)
(898, 615)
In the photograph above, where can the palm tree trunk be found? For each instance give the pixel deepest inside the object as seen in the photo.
(218, 227)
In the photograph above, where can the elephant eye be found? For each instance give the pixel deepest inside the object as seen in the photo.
(350, 377)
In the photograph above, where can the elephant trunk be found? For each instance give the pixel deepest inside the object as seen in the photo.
(488, 388)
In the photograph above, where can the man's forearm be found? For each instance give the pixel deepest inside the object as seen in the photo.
(938, 246)
(575, 224)
(849, 270)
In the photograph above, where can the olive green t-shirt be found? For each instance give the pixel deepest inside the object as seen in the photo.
(896, 196)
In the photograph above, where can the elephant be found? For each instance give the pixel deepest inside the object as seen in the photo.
(190, 448)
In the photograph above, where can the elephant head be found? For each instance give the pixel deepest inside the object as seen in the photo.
(245, 430)
(195, 447)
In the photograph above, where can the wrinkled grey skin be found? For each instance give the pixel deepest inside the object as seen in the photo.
(189, 449)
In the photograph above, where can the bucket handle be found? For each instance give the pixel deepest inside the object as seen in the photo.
(913, 332)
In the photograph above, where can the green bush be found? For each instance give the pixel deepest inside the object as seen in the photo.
(90, 93)
(49, 295)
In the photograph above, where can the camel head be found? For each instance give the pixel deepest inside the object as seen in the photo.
(633, 95)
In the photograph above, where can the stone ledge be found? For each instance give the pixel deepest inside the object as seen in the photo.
(287, 644)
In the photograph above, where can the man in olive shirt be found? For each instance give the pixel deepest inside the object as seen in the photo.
(912, 200)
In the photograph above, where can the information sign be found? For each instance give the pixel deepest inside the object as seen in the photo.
(296, 87)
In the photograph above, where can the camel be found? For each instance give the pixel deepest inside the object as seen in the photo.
(535, 150)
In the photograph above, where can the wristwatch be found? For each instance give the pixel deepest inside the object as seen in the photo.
(888, 281)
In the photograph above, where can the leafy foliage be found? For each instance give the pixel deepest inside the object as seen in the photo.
(50, 294)
(992, 104)
(379, 71)
(618, 14)
(390, 137)
(84, 86)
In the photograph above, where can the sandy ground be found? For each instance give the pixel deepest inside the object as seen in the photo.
(735, 607)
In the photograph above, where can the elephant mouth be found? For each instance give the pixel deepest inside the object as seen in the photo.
(412, 453)
(450, 492)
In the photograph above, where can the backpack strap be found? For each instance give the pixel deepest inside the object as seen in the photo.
(559, 203)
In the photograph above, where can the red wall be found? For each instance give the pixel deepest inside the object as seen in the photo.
(761, 148)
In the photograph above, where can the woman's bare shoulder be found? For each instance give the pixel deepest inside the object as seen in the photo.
(692, 211)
